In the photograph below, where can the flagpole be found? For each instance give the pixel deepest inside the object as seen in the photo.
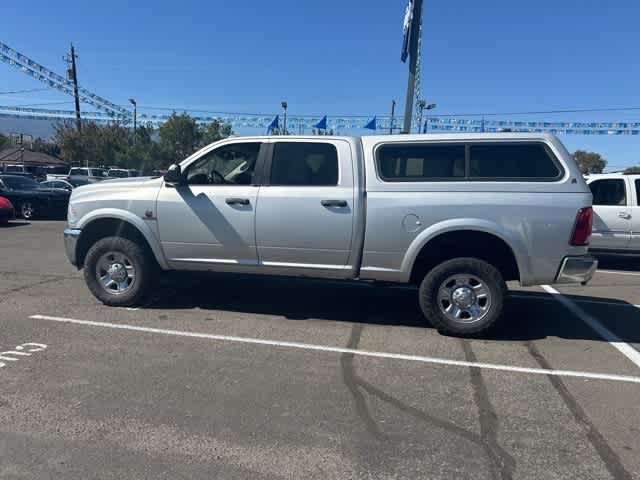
(413, 62)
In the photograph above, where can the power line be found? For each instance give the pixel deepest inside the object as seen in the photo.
(29, 90)
(44, 103)
(353, 115)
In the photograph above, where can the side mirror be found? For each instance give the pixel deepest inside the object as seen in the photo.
(173, 175)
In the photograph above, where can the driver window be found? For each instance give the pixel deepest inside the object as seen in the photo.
(232, 164)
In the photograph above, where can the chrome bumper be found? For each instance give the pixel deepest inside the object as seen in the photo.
(71, 236)
(577, 270)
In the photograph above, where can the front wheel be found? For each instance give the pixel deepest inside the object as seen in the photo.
(463, 296)
(119, 272)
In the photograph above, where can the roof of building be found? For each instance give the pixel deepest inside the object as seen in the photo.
(27, 157)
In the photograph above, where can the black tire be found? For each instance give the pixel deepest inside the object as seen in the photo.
(28, 210)
(141, 259)
(433, 311)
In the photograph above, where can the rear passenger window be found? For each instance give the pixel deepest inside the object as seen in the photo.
(512, 161)
(304, 164)
(608, 192)
(638, 192)
(415, 163)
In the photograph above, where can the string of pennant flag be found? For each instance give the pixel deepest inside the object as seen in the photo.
(338, 124)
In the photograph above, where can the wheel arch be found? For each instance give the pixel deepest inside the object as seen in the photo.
(466, 237)
(109, 222)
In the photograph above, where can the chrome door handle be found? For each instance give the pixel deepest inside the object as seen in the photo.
(333, 203)
(624, 215)
(237, 201)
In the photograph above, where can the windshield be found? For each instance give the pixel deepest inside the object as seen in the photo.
(20, 183)
(118, 173)
(58, 170)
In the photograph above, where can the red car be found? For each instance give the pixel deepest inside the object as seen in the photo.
(7, 212)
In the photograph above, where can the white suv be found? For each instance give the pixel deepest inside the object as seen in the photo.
(616, 207)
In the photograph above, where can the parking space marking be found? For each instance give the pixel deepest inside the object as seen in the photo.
(24, 350)
(326, 348)
(615, 341)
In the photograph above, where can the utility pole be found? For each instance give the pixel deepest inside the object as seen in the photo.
(135, 114)
(393, 112)
(73, 76)
(284, 106)
(413, 63)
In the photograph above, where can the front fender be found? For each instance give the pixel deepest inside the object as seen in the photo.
(511, 238)
(129, 217)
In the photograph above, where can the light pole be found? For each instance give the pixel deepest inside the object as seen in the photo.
(422, 105)
(132, 101)
(284, 123)
(393, 113)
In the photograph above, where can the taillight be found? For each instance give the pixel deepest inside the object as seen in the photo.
(5, 203)
(582, 229)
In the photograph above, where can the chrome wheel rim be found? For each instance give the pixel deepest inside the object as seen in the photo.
(27, 210)
(115, 273)
(464, 298)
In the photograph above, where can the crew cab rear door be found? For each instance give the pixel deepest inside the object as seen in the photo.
(635, 214)
(305, 213)
(612, 214)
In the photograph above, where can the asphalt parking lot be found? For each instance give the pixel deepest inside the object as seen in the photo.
(235, 377)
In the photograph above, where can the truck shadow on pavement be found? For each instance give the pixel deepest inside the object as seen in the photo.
(628, 264)
(527, 316)
(14, 224)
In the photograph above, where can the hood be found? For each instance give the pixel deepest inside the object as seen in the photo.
(118, 184)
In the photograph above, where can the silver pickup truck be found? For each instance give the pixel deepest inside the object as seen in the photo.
(456, 215)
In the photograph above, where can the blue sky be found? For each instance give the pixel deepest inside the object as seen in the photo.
(342, 57)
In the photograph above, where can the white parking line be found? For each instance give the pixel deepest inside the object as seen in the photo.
(326, 348)
(618, 272)
(615, 341)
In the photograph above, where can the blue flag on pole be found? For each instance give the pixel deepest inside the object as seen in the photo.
(274, 124)
(371, 125)
(406, 31)
(322, 124)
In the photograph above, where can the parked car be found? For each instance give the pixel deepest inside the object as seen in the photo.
(122, 173)
(31, 171)
(30, 199)
(616, 208)
(118, 173)
(57, 172)
(456, 215)
(7, 212)
(90, 174)
(59, 184)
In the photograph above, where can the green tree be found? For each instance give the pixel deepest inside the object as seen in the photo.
(43, 146)
(632, 170)
(214, 131)
(179, 137)
(590, 162)
(4, 142)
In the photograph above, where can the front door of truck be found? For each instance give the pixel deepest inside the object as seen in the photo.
(208, 220)
(306, 207)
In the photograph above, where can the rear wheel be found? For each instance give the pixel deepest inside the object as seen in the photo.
(119, 272)
(27, 210)
(463, 296)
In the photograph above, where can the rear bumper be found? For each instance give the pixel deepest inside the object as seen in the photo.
(71, 236)
(577, 269)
